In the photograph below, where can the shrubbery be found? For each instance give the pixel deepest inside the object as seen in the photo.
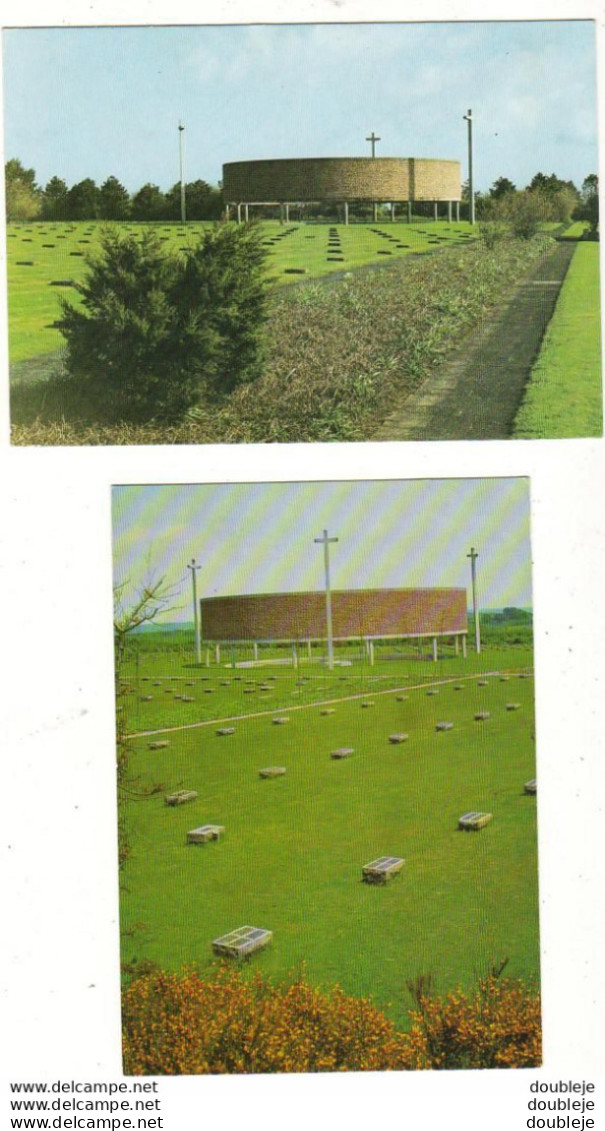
(155, 328)
(193, 1025)
(338, 357)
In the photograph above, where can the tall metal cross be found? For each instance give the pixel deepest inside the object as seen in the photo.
(196, 612)
(473, 556)
(324, 540)
(373, 139)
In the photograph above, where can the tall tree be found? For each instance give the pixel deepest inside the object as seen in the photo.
(550, 185)
(149, 203)
(203, 202)
(114, 201)
(501, 188)
(55, 204)
(83, 200)
(22, 194)
(588, 208)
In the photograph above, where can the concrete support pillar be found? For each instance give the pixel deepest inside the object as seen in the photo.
(393, 212)
(217, 653)
(449, 211)
(281, 213)
(239, 213)
(457, 211)
(255, 650)
(464, 646)
(457, 645)
(346, 208)
(435, 211)
(308, 649)
(409, 212)
(246, 213)
(435, 649)
(371, 652)
(227, 212)
(207, 657)
(375, 213)
(294, 656)
(287, 213)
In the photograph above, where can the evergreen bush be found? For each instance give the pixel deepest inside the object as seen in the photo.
(154, 328)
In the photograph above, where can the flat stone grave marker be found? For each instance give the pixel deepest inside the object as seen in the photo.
(180, 797)
(513, 706)
(433, 691)
(382, 869)
(242, 942)
(280, 722)
(504, 679)
(444, 726)
(205, 833)
(531, 786)
(158, 745)
(342, 752)
(187, 698)
(146, 698)
(328, 711)
(481, 716)
(473, 821)
(402, 698)
(225, 730)
(458, 687)
(272, 772)
(397, 738)
(368, 703)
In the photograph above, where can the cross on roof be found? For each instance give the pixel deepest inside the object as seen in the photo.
(373, 139)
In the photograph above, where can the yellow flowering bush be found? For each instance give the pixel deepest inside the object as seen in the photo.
(189, 1024)
(498, 1026)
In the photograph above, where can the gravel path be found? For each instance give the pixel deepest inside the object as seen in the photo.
(476, 393)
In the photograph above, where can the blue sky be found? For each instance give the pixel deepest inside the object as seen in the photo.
(255, 538)
(106, 101)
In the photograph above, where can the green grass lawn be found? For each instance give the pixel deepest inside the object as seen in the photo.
(294, 847)
(564, 396)
(40, 255)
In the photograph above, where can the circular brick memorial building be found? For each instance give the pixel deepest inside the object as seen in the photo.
(342, 181)
(362, 615)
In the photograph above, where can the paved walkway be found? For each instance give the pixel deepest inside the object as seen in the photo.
(476, 393)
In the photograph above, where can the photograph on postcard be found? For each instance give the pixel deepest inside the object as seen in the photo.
(327, 782)
(306, 232)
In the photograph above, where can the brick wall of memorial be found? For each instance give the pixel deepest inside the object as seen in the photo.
(355, 613)
(342, 178)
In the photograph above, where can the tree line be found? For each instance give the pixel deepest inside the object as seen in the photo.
(546, 196)
(26, 200)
